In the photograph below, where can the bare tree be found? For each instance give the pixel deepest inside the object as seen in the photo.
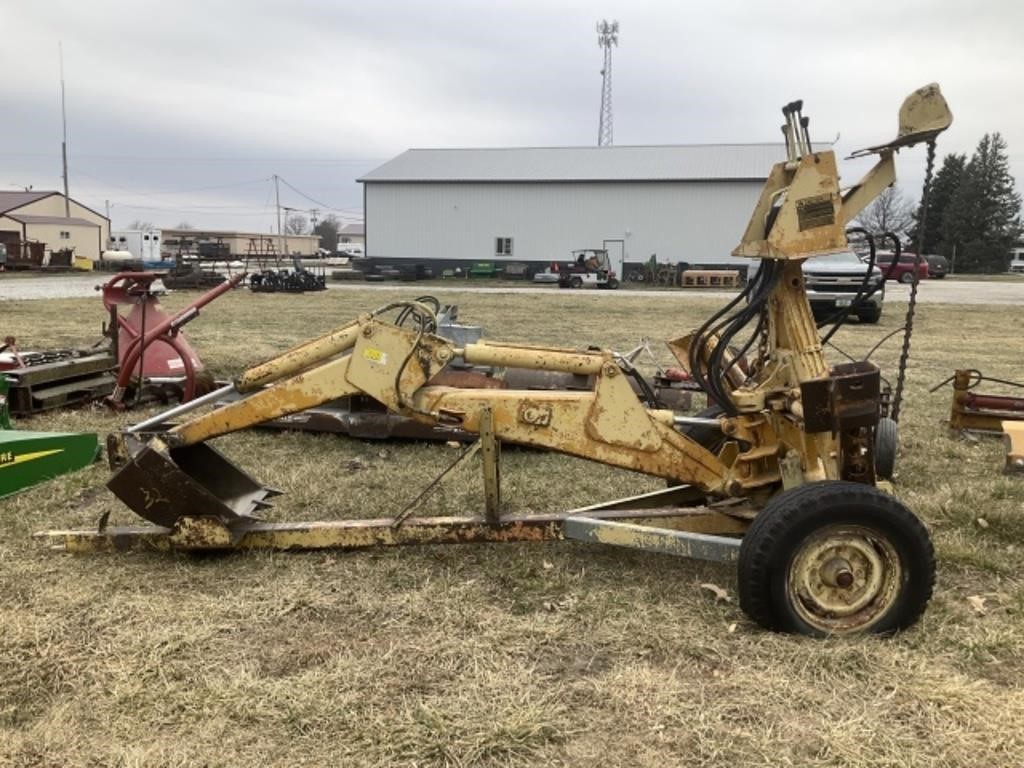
(296, 225)
(890, 212)
(184, 225)
(140, 224)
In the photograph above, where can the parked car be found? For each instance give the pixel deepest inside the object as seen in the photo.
(938, 266)
(833, 281)
(902, 270)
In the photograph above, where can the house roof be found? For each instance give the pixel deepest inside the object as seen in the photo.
(352, 229)
(9, 201)
(25, 218)
(684, 162)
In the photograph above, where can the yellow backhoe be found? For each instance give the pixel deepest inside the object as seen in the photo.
(786, 487)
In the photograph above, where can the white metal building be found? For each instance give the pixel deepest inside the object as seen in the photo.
(452, 206)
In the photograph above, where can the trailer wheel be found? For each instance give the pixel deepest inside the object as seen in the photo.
(887, 441)
(835, 558)
(612, 283)
(576, 282)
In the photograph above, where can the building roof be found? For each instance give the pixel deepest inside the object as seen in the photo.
(684, 162)
(9, 201)
(25, 218)
(352, 229)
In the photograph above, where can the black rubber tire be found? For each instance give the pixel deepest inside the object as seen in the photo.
(777, 534)
(576, 282)
(907, 278)
(887, 442)
(869, 314)
(612, 283)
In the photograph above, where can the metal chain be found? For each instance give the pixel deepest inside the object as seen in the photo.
(897, 398)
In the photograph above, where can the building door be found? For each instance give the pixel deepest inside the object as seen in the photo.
(616, 255)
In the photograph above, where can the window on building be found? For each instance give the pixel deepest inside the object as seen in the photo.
(503, 246)
(65, 235)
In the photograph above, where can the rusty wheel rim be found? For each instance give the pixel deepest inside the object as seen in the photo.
(843, 579)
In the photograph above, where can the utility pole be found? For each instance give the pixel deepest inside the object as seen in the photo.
(277, 199)
(607, 36)
(64, 126)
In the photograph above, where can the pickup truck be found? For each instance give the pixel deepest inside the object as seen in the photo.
(833, 280)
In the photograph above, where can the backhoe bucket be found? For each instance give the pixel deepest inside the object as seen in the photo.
(164, 485)
(923, 116)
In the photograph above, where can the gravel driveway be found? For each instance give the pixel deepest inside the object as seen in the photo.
(931, 291)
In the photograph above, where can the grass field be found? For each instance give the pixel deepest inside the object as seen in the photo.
(561, 654)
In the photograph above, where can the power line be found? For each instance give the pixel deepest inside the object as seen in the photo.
(303, 194)
(173, 192)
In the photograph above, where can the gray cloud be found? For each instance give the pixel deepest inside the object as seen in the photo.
(168, 97)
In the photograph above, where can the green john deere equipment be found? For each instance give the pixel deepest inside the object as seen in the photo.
(29, 458)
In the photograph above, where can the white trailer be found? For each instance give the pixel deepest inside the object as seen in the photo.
(142, 244)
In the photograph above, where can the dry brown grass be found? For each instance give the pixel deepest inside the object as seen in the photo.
(557, 654)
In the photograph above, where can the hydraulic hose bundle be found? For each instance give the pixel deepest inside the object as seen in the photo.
(707, 354)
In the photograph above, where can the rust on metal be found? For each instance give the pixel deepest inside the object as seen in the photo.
(490, 453)
(843, 579)
(201, 532)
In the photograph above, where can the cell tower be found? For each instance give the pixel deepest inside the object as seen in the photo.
(607, 35)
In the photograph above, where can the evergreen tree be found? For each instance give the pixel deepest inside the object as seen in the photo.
(944, 186)
(328, 229)
(982, 220)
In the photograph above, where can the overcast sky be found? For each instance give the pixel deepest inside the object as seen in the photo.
(182, 111)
